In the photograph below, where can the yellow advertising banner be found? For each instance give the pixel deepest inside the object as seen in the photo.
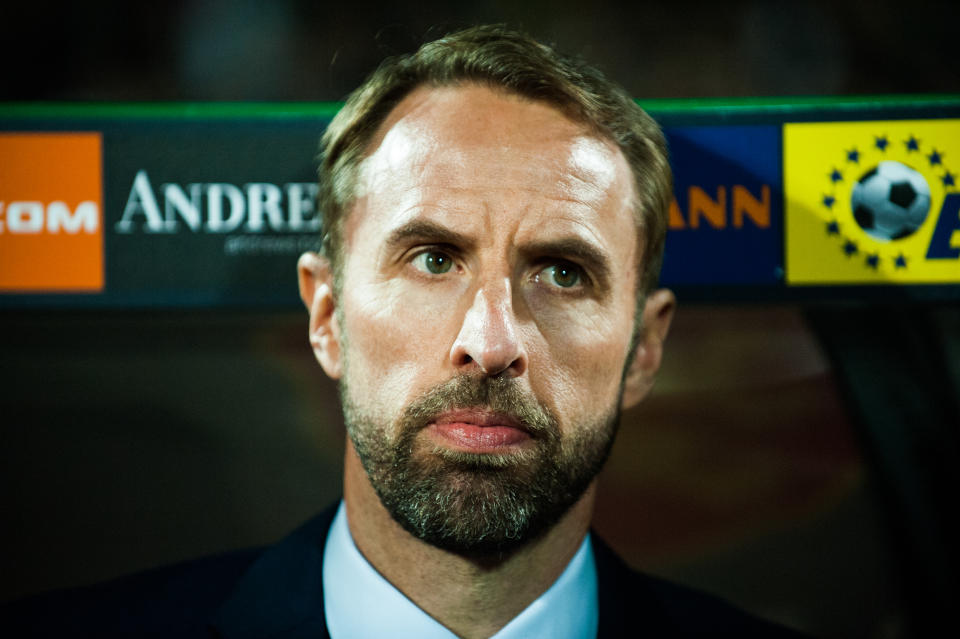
(872, 202)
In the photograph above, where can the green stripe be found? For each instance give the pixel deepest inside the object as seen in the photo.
(799, 103)
(171, 110)
(326, 110)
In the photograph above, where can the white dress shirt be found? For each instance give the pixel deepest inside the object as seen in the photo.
(359, 603)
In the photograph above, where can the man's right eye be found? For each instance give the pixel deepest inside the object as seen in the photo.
(433, 262)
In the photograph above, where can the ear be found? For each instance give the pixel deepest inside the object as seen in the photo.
(656, 318)
(316, 290)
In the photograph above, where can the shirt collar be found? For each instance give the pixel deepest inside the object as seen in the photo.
(359, 602)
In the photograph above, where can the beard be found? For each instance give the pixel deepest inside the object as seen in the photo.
(478, 505)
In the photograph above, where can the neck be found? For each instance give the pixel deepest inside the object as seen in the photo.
(478, 596)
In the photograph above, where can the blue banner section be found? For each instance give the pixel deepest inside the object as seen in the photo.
(726, 224)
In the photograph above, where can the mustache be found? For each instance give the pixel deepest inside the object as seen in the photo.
(495, 394)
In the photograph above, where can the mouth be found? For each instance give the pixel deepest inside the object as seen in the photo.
(478, 431)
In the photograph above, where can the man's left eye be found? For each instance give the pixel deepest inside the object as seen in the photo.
(563, 274)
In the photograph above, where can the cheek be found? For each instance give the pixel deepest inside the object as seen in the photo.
(580, 363)
(394, 342)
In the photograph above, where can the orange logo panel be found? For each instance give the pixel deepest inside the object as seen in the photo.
(51, 212)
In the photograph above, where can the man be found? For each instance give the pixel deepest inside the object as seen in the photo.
(478, 303)
(485, 296)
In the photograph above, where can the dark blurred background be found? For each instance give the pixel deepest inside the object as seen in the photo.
(309, 50)
(759, 469)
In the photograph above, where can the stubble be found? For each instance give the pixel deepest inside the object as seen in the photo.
(477, 504)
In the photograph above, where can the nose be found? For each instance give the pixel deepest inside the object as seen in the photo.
(489, 337)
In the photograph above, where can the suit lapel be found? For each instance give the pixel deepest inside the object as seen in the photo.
(281, 595)
(624, 597)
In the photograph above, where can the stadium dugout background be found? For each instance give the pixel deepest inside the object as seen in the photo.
(798, 456)
(159, 401)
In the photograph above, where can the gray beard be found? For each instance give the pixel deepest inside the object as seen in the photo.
(478, 505)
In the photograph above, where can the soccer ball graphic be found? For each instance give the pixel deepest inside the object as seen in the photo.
(890, 201)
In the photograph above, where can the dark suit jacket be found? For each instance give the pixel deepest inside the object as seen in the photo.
(277, 592)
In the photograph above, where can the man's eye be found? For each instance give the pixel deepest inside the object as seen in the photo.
(435, 262)
(564, 274)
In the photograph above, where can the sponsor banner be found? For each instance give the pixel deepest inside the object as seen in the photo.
(206, 211)
(726, 219)
(872, 202)
(210, 212)
(216, 212)
(51, 204)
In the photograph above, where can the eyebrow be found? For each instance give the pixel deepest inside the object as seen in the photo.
(426, 230)
(593, 258)
(590, 256)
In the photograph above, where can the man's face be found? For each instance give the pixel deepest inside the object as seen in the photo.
(485, 314)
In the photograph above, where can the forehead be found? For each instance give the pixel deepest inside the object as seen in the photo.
(437, 128)
(484, 156)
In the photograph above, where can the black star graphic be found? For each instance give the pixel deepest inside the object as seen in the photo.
(853, 156)
(829, 201)
(873, 261)
(935, 158)
(913, 144)
(836, 176)
(881, 142)
(900, 261)
(947, 179)
(833, 228)
(850, 248)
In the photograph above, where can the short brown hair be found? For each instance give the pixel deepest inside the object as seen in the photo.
(514, 62)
